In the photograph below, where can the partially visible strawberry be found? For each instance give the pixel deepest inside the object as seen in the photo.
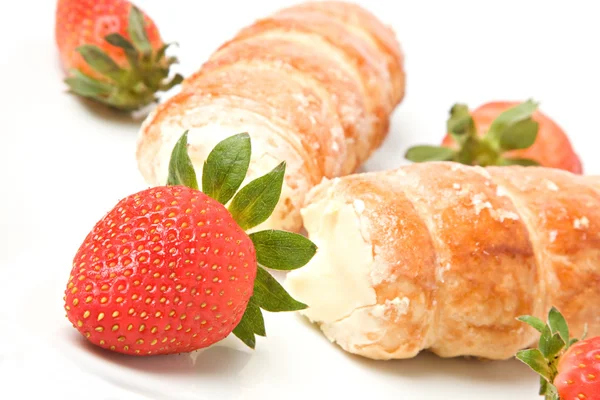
(170, 269)
(112, 53)
(569, 368)
(579, 371)
(502, 133)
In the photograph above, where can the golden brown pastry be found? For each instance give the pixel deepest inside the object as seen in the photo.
(445, 257)
(314, 85)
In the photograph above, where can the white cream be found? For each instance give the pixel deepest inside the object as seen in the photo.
(337, 280)
(338, 283)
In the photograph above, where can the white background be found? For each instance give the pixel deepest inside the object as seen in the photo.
(64, 164)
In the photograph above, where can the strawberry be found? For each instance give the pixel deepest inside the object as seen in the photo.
(112, 52)
(502, 133)
(171, 269)
(569, 367)
(579, 371)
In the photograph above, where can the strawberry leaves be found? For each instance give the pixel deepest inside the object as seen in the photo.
(558, 324)
(252, 323)
(271, 296)
(100, 61)
(181, 169)
(226, 167)
(460, 124)
(282, 250)
(513, 129)
(536, 361)
(255, 202)
(224, 171)
(534, 322)
(554, 341)
(122, 87)
(137, 31)
(426, 153)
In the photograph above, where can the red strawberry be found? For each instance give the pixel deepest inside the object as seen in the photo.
(503, 133)
(579, 371)
(569, 367)
(170, 269)
(112, 52)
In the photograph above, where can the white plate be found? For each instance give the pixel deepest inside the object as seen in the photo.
(64, 165)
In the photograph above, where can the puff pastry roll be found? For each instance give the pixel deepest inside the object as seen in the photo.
(444, 257)
(314, 85)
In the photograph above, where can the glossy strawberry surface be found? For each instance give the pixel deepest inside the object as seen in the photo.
(167, 270)
(80, 22)
(579, 371)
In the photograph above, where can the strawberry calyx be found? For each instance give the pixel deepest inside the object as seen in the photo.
(125, 88)
(223, 173)
(513, 129)
(553, 343)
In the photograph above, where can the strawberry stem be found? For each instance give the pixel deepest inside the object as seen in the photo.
(514, 129)
(122, 88)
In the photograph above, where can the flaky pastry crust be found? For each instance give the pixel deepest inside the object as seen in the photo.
(314, 85)
(460, 252)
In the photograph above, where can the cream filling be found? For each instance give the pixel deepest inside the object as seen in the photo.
(338, 285)
(336, 281)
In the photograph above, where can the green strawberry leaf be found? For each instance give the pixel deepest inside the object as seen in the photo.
(271, 296)
(100, 62)
(255, 202)
(176, 80)
(521, 135)
(551, 392)
(503, 128)
(181, 169)
(543, 386)
(525, 162)
(226, 166)
(243, 332)
(86, 86)
(427, 153)
(549, 344)
(536, 361)
(160, 54)
(282, 250)
(558, 324)
(534, 322)
(255, 318)
(252, 323)
(460, 123)
(137, 31)
(118, 40)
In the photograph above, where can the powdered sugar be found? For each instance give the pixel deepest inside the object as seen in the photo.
(501, 191)
(439, 272)
(505, 214)
(479, 203)
(397, 305)
(359, 206)
(551, 186)
(581, 223)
